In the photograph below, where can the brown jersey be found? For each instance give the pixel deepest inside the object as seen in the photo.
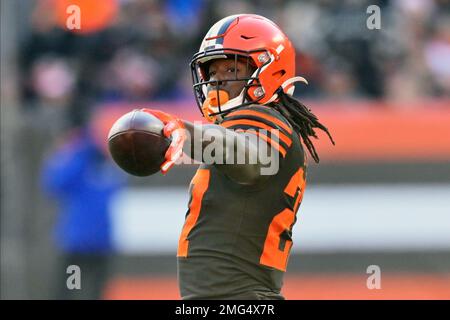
(237, 238)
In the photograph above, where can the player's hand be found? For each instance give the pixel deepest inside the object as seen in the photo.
(173, 129)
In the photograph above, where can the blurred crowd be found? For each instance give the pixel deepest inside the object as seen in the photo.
(142, 50)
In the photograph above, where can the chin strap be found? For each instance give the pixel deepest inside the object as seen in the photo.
(286, 84)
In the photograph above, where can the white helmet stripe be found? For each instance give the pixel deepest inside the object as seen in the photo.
(211, 33)
(217, 29)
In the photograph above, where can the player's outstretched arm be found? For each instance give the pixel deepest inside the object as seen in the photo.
(239, 158)
(234, 154)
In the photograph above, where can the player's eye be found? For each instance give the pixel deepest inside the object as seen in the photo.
(211, 73)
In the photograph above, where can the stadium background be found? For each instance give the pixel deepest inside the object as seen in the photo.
(380, 197)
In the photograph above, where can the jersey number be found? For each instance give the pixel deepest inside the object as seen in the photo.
(276, 250)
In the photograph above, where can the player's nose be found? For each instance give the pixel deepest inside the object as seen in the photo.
(220, 77)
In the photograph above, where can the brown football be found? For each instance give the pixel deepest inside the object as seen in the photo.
(137, 143)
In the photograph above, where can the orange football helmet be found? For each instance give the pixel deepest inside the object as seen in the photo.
(266, 48)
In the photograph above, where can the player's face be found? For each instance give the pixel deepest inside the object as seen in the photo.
(229, 69)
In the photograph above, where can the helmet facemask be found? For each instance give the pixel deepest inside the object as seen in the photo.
(199, 68)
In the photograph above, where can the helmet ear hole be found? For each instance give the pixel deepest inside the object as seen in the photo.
(279, 74)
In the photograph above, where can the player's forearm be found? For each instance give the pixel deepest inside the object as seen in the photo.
(226, 145)
(204, 138)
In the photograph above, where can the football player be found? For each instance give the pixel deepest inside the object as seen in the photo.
(236, 239)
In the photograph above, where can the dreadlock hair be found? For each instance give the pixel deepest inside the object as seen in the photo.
(302, 120)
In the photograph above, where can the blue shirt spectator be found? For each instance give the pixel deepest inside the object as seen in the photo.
(83, 181)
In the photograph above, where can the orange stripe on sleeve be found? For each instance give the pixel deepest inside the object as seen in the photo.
(258, 124)
(274, 144)
(263, 116)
